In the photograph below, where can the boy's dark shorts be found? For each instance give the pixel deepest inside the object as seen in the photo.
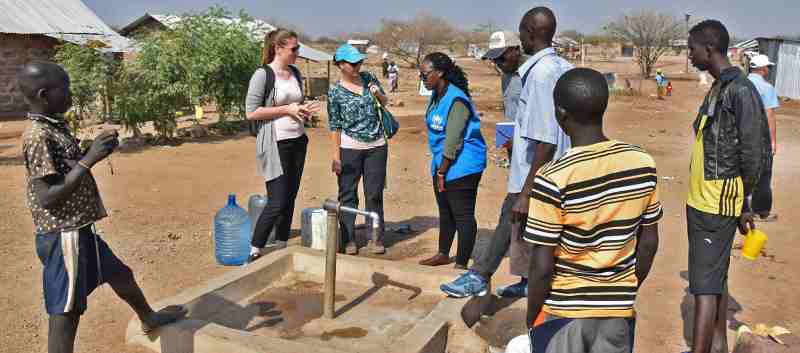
(75, 263)
(710, 241)
(594, 335)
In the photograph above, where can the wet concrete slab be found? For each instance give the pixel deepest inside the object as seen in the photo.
(275, 305)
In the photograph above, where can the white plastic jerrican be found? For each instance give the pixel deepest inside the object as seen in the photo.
(314, 228)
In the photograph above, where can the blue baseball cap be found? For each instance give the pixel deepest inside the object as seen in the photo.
(349, 53)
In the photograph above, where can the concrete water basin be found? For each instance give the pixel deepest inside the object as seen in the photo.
(276, 305)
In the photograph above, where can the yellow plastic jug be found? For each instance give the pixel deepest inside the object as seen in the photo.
(753, 243)
(198, 112)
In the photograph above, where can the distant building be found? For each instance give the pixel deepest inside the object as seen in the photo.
(737, 50)
(155, 22)
(785, 53)
(361, 44)
(32, 32)
(627, 50)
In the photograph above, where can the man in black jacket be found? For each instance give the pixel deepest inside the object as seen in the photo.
(731, 146)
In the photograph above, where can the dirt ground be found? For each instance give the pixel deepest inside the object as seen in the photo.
(161, 202)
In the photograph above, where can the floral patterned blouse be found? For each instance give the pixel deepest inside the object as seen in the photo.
(356, 115)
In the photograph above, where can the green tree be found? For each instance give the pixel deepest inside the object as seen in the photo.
(156, 85)
(206, 58)
(221, 54)
(89, 70)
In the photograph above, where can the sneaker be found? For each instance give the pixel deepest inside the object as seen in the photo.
(253, 257)
(351, 249)
(469, 284)
(376, 247)
(516, 290)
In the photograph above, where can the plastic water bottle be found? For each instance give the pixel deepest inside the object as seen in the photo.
(256, 205)
(232, 234)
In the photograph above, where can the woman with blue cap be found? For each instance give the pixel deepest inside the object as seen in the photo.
(458, 156)
(360, 148)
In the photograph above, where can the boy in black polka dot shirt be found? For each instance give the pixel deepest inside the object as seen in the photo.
(65, 203)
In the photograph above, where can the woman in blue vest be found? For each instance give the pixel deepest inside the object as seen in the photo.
(458, 156)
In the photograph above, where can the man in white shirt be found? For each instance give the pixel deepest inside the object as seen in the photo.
(762, 194)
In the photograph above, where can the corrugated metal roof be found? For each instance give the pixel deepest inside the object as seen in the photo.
(748, 44)
(564, 42)
(68, 20)
(258, 27)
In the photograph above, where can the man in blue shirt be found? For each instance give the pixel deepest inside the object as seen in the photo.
(506, 54)
(762, 194)
(537, 140)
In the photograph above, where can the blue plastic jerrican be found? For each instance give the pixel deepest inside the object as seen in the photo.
(232, 234)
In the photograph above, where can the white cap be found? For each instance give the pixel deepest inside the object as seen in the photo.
(760, 61)
(499, 42)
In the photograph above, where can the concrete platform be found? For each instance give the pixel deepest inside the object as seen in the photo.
(275, 305)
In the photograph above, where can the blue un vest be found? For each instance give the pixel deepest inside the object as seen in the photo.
(472, 158)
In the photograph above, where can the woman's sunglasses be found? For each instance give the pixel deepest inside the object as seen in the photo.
(294, 49)
(424, 75)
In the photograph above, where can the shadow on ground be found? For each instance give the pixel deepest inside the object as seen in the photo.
(400, 238)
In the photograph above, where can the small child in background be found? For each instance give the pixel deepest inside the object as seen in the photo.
(661, 83)
(394, 73)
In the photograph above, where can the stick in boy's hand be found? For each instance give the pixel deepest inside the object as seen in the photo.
(114, 145)
(102, 147)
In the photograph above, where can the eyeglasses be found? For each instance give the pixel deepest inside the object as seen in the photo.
(294, 49)
(424, 74)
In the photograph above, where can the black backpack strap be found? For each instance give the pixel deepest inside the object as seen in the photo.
(299, 77)
(269, 86)
(269, 83)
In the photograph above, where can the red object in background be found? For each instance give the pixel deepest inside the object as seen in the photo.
(669, 88)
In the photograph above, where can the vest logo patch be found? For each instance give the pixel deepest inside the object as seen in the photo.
(437, 123)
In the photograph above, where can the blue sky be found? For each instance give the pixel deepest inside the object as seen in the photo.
(326, 17)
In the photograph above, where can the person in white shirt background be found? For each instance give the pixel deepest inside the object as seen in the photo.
(762, 194)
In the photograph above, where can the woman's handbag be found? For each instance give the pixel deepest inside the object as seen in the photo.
(389, 124)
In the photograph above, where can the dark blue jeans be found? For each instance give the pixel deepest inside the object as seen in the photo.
(457, 214)
(762, 194)
(281, 192)
(487, 262)
(371, 165)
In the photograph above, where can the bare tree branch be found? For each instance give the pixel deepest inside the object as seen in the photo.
(412, 40)
(651, 33)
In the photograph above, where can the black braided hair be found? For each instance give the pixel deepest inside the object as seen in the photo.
(451, 72)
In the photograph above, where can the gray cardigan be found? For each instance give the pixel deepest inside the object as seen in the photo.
(268, 161)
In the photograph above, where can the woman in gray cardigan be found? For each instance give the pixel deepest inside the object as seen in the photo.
(281, 141)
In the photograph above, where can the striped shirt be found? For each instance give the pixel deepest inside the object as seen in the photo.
(590, 204)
